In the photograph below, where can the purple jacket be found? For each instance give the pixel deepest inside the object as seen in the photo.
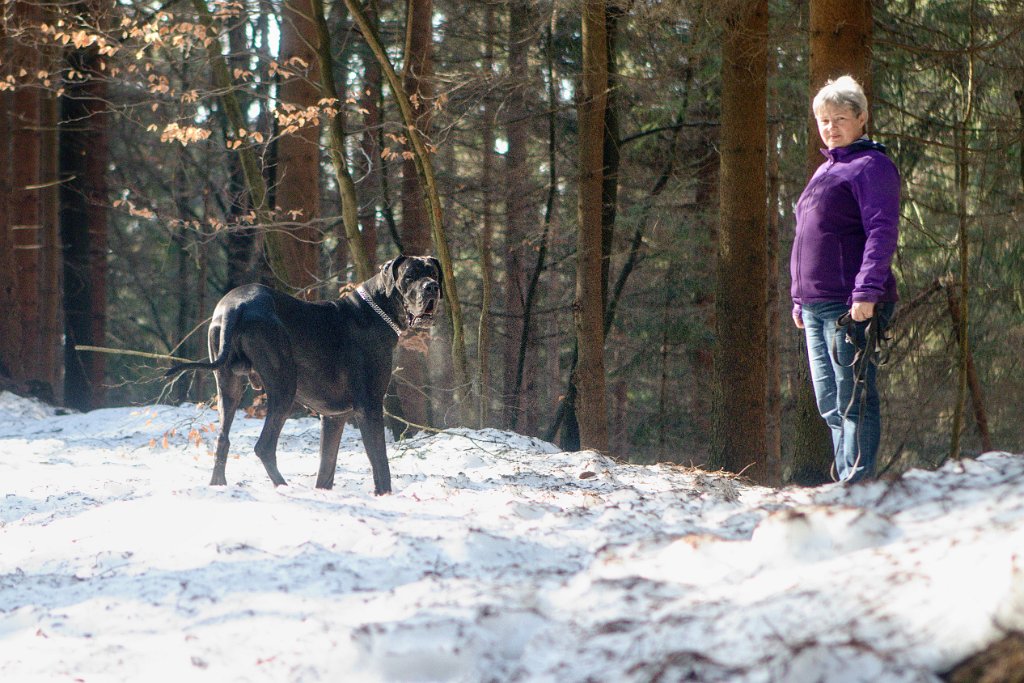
(846, 228)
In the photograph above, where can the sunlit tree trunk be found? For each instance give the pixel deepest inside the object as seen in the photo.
(840, 43)
(298, 153)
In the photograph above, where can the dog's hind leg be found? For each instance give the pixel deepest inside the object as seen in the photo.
(272, 359)
(331, 427)
(229, 395)
(266, 446)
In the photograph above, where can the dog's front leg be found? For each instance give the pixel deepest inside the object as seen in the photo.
(331, 427)
(372, 429)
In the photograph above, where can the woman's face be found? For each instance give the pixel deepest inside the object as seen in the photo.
(839, 126)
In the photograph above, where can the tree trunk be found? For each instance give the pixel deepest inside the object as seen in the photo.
(588, 310)
(963, 173)
(663, 397)
(840, 37)
(517, 210)
(773, 301)
(973, 382)
(298, 153)
(417, 74)
(8, 323)
(1019, 96)
(741, 442)
(51, 266)
(83, 161)
(610, 181)
(24, 216)
(9, 327)
(552, 373)
(486, 230)
(371, 166)
(33, 353)
(840, 42)
(240, 241)
(566, 407)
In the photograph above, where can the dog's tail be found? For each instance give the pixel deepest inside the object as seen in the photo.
(176, 370)
(227, 334)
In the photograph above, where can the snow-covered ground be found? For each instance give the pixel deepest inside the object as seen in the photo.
(498, 558)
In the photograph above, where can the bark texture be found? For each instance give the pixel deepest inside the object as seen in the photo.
(741, 441)
(588, 309)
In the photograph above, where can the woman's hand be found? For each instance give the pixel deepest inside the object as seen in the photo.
(862, 310)
(798, 321)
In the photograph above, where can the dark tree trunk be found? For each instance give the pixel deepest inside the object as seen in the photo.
(487, 139)
(741, 441)
(373, 118)
(240, 242)
(517, 209)
(31, 353)
(588, 308)
(83, 218)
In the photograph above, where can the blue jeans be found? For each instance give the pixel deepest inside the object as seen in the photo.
(851, 411)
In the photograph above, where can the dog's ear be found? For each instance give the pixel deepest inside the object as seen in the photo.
(389, 271)
(440, 274)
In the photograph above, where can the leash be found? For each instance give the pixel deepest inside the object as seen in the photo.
(373, 304)
(874, 352)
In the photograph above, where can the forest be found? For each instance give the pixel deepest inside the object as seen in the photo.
(609, 184)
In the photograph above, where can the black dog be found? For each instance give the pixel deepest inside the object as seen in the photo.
(332, 357)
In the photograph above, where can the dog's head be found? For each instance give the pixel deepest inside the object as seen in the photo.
(420, 283)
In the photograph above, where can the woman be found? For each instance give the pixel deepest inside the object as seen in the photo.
(846, 233)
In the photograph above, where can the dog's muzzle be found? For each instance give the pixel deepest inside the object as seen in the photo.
(428, 301)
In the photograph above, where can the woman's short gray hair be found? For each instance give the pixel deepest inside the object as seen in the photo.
(841, 92)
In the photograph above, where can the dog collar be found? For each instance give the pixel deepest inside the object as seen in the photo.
(391, 323)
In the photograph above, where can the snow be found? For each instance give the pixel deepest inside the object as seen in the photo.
(498, 558)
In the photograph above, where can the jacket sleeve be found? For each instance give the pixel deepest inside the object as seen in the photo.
(877, 189)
